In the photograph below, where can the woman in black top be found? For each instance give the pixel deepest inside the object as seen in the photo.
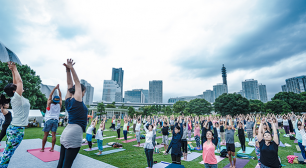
(241, 135)
(4, 104)
(268, 148)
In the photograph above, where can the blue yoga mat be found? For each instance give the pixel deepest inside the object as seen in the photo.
(247, 140)
(222, 147)
(111, 151)
(248, 150)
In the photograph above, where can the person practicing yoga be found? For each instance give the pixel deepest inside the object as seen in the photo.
(268, 147)
(4, 105)
(241, 135)
(51, 118)
(118, 126)
(89, 132)
(184, 138)
(148, 146)
(99, 136)
(165, 132)
(137, 129)
(197, 133)
(176, 143)
(209, 158)
(257, 149)
(71, 139)
(21, 109)
(301, 127)
(125, 127)
(230, 144)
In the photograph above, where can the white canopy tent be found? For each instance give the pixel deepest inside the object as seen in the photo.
(33, 114)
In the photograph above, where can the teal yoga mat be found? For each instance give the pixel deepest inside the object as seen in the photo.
(111, 151)
(56, 135)
(222, 147)
(247, 140)
(248, 150)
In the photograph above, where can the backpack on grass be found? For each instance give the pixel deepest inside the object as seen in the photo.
(223, 153)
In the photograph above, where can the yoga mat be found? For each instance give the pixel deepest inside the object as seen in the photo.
(298, 148)
(300, 157)
(247, 140)
(130, 140)
(295, 141)
(159, 146)
(191, 139)
(248, 150)
(257, 166)
(222, 147)
(109, 137)
(219, 159)
(56, 135)
(141, 145)
(2, 149)
(223, 143)
(111, 151)
(281, 144)
(191, 156)
(45, 156)
(126, 137)
(239, 163)
(198, 149)
(158, 137)
(96, 148)
(83, 144)
(161, 165)
(172, 165)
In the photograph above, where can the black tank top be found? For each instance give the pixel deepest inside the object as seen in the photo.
(8, 118)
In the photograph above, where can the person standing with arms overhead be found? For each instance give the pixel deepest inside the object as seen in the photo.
(241, 135)
(209, 158)
(71, 139)
(51, 117)
(4, 105)
(230, 144)
(21, 109)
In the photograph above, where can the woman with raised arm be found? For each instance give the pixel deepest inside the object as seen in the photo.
(21, 109)
(302, 137)
(209, 158)
(71, 139)
(268, 147)
(125, 126)
(51, 118)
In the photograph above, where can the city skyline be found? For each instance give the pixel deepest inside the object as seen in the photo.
(184, 48)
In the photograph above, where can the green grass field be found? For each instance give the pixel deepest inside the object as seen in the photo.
(134, 157)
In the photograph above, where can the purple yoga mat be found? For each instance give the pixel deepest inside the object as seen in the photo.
(141, 145)
(239, 163)
(281, 144)
(295, 141)
(192, 156)
(198, 149)
(130, 140)
(219, 159)
(158, 137)
(159, 146)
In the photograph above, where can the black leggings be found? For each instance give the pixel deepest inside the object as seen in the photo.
(184, 146)
(90, 144)
(67, 157)
(176, 159)
(118, 133)
(242, 141)
(3, 132)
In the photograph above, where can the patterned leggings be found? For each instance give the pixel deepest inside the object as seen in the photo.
(197, 138)
(14, 137)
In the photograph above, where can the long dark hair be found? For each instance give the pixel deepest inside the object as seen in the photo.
(9, 89)
(72, 90)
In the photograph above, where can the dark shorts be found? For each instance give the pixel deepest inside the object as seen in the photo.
(51, 125)
(230, 147)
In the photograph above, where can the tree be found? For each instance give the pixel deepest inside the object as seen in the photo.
(168, 110)
(31, 85)
(63, 106)
(147, 110)
(256, 106)
(131, 110)
(110, 106)
(303, 95)
(100, 107)
(293, 99)
(179, 106)
(231, 104)
(123, 106)
(277, 107)
(198, 107)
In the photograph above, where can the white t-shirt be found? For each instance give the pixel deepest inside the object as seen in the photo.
(90, 129)
(21, 110)
(134, 121)
(138, 125)
(99, 134)
(53, 113)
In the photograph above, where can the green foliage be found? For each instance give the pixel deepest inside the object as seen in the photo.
(293, 99)
(131, 111)
(63, 109)
(31, 84)
(198, 107)
(277, 107)
(168, 111)
(110, 106)
(100, 107)
(303, 95)
(123, 107)
(146, 110)
(256, 106)
(179, 106)
(231, 104)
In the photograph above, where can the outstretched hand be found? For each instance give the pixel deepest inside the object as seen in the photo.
(69, 64)
(11, 65)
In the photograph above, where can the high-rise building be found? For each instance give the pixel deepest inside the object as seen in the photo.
(184, 98)
(134, 96)
(88, 97)
(219, 89)
(209, 96)
(263, 93)
(7, 55)
(111, 91)
(223, 70)
(117, 75)
(250, 89)
(47, 89)
(284, 88)
(240, 92)
(146, 94)
(156, 91)
(296, 84)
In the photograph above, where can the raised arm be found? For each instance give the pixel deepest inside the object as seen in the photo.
(50, 96)
(16, 77)
(260, 134)
(275, 136)
(60, 95)
(69, 78)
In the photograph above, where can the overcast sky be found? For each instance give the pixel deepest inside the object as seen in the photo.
(183, 43)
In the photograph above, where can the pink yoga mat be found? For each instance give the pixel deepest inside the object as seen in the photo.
(130, 140)
(2, 149)
(45, 156)
(141, 145)
(127, 137)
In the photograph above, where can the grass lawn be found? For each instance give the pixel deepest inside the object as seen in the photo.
(134, 157)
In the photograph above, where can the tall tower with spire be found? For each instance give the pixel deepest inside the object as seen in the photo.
(223, 70)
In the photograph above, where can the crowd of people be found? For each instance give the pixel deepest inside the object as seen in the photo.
(209, 131)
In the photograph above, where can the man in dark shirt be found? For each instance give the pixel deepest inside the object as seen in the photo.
(165, 132)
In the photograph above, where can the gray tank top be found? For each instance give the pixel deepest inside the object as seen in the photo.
(72, 136)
